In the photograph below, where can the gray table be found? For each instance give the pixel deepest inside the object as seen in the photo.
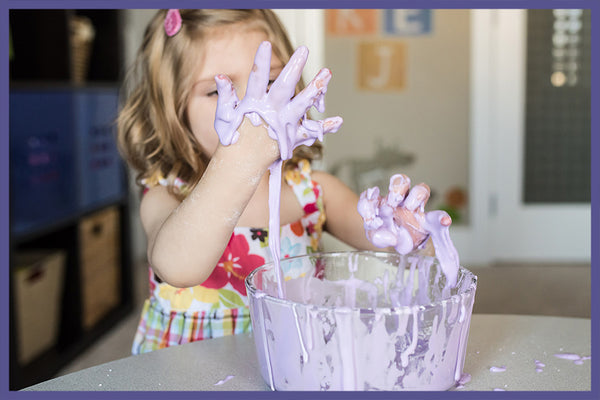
(511, 341)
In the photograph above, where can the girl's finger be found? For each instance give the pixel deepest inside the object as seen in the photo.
(258, 81)
(417, 197)
(284, 87)
(227, 119)
(311, 130)
(227, 95)
(331, 125)
(314, 93)
(398, 188)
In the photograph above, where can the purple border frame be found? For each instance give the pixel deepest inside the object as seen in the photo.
(448, 4)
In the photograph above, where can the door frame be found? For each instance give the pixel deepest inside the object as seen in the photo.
(503, 228)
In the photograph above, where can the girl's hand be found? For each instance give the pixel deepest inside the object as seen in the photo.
(284, 114)
(398, 220)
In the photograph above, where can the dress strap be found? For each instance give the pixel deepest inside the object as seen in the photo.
(158, 179)
(306, 190)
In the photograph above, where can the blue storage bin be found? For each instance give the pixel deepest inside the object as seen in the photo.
(63, 154)
(42, 158)
(100, 169)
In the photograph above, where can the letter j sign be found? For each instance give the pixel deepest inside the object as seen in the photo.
(382, 66)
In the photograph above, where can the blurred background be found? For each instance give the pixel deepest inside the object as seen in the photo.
(491, 108)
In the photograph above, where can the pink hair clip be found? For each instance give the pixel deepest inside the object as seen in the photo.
(172, 22)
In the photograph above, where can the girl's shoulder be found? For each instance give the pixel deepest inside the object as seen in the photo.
(155, 205)
(335, 191)
(326, 179)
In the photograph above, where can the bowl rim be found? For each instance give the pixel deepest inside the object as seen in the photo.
(395, 310)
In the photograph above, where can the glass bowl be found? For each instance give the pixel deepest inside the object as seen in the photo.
(360, 321)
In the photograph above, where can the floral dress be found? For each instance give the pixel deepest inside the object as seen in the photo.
(219, 306)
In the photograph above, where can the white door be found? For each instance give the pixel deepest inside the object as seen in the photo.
(516, 231)
(306, 28)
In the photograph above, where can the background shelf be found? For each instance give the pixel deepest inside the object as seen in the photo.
(68, 186)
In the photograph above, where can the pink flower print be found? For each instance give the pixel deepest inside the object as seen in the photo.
(310, 208)
(310, 228)
(151, 280)
(315, 187)
(234, 266)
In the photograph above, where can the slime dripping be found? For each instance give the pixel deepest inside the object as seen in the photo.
(342, 332)
(285, 116)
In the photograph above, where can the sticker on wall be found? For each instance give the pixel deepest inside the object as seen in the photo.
(351, 22)
(407, 22)
(381, 66)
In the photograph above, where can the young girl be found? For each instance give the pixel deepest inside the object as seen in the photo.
(205, 206)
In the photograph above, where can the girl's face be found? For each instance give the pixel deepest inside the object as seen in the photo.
(229, 50)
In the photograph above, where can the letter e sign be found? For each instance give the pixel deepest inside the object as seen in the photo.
(382, 66)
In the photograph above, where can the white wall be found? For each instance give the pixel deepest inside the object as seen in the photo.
(428, 119)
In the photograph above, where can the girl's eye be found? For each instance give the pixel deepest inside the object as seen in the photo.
(215, 93)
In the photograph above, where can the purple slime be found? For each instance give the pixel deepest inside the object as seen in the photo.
(399, 221)
(284, 114)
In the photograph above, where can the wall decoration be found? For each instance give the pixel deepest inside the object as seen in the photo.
(407, 22)
(455, 203)
(381, 65)
(351, 22)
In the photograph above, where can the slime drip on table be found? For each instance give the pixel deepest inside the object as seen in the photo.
(539, 366)
(222, 381)
(284, 114)
(576, 358)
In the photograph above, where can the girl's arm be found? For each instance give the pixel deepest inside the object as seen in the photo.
(343, 220)
(186, 239)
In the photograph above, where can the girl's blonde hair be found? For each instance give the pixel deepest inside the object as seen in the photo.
(154, 134)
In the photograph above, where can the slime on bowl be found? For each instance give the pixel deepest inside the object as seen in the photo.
(344, 326)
